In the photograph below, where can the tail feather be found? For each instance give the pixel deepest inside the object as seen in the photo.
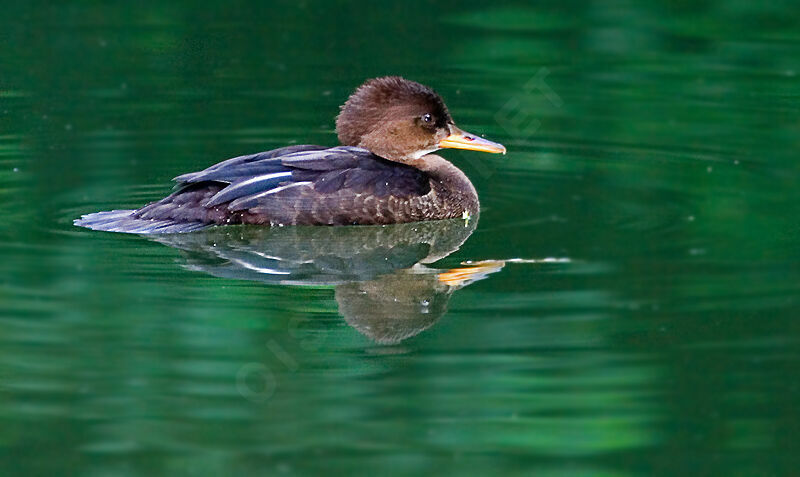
(123, 221)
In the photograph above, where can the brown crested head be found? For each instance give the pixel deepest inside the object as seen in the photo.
(394, 118)
(402, 121)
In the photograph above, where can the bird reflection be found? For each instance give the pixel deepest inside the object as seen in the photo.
(383, 283)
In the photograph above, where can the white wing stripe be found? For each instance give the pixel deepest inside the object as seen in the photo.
(251, 200)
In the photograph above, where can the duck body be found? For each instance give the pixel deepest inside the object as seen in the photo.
(385, 173)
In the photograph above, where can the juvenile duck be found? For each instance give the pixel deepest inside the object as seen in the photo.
(384, 172)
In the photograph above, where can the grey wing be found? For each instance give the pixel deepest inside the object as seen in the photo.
(296, 185)
(251, 181)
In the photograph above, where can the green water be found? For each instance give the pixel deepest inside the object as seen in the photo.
(652, 149)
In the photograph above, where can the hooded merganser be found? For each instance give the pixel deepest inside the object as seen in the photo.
(382, 173)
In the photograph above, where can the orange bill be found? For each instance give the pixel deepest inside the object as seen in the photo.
(463, 140)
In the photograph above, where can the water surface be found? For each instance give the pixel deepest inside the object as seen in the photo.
(652, 148)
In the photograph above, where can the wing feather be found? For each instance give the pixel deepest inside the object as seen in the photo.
(252, 181)
(247, 166)
(245, 187)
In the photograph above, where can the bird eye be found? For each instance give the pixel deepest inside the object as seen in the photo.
(427, 118)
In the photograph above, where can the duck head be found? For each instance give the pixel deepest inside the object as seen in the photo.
(402, 121)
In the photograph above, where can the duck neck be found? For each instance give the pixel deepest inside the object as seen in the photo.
(451, 186)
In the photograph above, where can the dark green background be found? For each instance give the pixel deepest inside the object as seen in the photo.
(662, 163)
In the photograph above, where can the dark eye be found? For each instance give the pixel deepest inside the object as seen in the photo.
(426, 118)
